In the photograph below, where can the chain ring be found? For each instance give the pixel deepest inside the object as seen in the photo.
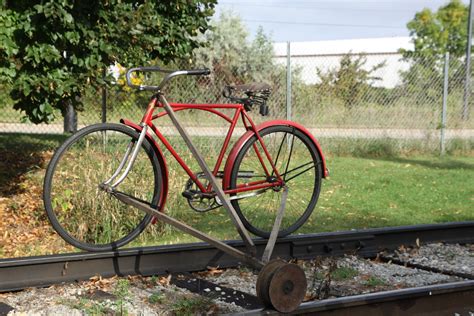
(200, 204)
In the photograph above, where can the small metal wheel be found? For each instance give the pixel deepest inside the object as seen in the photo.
(281, 285)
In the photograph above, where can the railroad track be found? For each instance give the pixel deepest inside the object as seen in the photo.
(20, 273)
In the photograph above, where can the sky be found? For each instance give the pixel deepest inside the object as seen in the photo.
(317, 20)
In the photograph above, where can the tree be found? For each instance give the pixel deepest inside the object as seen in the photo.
(232, 56)
(53, 50)
(351, 80)
(435, 33)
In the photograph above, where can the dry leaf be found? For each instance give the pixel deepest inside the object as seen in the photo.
(165, 281)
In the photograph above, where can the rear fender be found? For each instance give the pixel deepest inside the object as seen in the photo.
(245, 137)
(161, 158)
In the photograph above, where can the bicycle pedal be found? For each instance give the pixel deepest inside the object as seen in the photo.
(189, 195)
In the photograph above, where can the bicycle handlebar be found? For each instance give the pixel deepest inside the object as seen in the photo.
(171, 74)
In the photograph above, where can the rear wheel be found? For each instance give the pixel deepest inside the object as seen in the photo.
(85, 215)
(299, 163)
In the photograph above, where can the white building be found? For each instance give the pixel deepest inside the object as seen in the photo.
(325, 55)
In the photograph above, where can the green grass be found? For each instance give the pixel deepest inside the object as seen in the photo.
(362, 193)
(384, 190)
(30, 142)
(191, 306)
(344, 273)
(373, 281)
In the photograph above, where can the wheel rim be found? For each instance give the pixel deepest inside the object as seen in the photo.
(303, 178)
(90, 217)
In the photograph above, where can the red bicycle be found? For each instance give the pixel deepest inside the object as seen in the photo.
(270, 161)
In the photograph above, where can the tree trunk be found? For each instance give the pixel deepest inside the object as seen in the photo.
(70, 118)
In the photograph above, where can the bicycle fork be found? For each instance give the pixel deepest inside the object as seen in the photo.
(105, 185)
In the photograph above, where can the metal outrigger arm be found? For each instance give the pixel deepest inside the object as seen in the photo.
(144, 206)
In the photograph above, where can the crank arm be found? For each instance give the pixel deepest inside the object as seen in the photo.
(242, 196)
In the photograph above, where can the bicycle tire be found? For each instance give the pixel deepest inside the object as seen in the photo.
(81, 213)
(258, 215)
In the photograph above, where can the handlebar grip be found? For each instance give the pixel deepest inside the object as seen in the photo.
(198, 72)
(129, 80)
(141, 69)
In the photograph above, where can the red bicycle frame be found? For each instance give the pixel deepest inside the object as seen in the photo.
(239, 111)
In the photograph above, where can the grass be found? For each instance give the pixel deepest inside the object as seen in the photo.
(344, 273)
(376, 191)
(197, 305)
(86, 306)
(122, 291)
(373, 281)
(156, 298)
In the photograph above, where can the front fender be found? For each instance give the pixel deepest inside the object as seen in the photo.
(245, 137)
(161, 158)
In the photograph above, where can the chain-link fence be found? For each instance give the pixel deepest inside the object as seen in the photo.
(383, 100)
(348, 101)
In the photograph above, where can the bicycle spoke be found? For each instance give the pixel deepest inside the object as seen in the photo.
(291, 152)
(278, 154)
(300, 173)
(299, 167)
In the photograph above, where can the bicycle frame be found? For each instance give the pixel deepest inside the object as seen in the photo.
(221, 193)
(239, 113)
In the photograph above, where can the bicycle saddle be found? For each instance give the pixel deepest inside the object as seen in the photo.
(251, 87)
(256, 94)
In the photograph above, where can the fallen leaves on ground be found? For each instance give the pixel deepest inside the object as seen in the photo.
(24, 227)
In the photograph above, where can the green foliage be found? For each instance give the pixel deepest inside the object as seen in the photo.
(231, 55)
(59, 48)
(373, 281)
(86, 306)
(8, 47)
(344, 273)
(350, 81)
(435, 33)
(192, 306)
(122, 291)
(156, 298)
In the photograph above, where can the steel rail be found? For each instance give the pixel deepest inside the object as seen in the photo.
(20, 273)
(455, 298)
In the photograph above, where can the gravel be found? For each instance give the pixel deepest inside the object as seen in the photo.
(446, 257)
(241, 279)
(77, 299)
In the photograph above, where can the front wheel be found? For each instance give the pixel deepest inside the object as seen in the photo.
(85, 215)
(297, 160)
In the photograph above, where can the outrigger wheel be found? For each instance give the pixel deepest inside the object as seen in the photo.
(281, 285)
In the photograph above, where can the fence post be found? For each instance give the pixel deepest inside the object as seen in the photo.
(445, 105)
(104, 102)
(467, 83)
(288, 81)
